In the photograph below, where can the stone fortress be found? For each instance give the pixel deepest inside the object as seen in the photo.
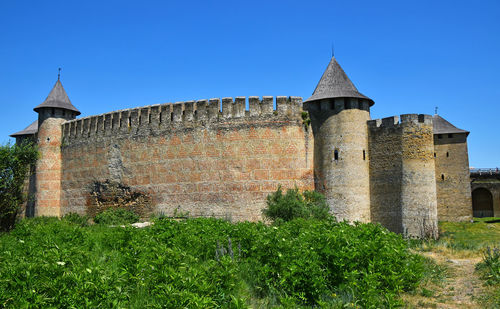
(218, 158)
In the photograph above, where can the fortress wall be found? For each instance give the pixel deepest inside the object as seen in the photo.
(191, 157)
(452, 177)
(403, 188)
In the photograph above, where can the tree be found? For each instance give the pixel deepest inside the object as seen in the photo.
(15, 164)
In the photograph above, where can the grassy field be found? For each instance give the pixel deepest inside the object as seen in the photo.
(204, 263)
(457, 275)
(209, 263)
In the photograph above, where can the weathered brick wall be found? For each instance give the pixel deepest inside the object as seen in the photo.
(452, 177)
(191, 157)
(402, 175)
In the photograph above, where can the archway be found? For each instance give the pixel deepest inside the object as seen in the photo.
(482, 203)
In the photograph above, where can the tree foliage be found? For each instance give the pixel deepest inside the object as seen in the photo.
(293, 204)
(15, 164)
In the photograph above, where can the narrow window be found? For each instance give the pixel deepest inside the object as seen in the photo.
(171, 116)
(120, 123)
(346, 103)
(364, 155)
(195, 113)
(161, 115)
(447, 154)
(336, 155)
(140, 118)
(434, 155)
(442, 176)
(52, 112)
(149, 120)
(129, 121)
(450, 135)
(440, 135)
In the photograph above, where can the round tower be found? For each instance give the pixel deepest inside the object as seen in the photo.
(339, 115)
(55, 110)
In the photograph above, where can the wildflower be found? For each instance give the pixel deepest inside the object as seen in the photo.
(21, 241)
(61, 263)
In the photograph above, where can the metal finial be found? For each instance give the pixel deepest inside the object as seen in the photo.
(59, 74)
(436, 110)
(333, 50)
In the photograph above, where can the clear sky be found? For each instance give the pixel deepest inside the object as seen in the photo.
(408, 56)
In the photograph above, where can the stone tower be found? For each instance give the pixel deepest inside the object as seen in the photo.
(454, 202)
(339, 115)
(55, 110)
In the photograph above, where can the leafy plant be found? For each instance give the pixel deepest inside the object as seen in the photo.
(293, 204)
(116, 216)
(75, 218)
(204, 263)
(490, 265)
(15, 164)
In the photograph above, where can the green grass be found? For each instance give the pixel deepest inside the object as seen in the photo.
(204, 263)
(467, 237)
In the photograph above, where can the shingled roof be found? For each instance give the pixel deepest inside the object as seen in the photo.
(58, 98)
(29, 130)
(335, 84)
(442, 126)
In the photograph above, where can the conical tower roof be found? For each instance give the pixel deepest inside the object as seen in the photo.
(335, 84)
(58, 98)
(29, 130)
(442, 126)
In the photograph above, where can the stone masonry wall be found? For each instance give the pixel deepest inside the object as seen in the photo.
(192, 157)
(402, 185)
(452, 177)
(48, 166)
(341, 156)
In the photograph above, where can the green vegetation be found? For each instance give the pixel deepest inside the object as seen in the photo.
(116, 216)
(463, 236)
(15, 162)
(292, 205)
(202, 263)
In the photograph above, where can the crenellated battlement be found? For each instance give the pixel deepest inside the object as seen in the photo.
(399, 121)
(181, 114)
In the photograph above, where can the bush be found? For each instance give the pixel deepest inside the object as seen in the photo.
(116, 216)
(77, 219)
(490, 266)
(204, 263)
(15, 163)
(293, 204)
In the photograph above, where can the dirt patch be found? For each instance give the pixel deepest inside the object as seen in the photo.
(461, 287)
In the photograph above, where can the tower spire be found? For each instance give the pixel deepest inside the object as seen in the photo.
(59, 74)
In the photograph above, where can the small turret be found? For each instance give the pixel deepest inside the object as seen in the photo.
(339, 115)
(55, 110)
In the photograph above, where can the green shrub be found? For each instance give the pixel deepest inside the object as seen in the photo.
(75, 218)
(116, 216)
(293, 204)
(15, 164)
(51, 263)
(490, 265)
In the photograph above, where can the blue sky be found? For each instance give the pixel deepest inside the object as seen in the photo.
(408, 56)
